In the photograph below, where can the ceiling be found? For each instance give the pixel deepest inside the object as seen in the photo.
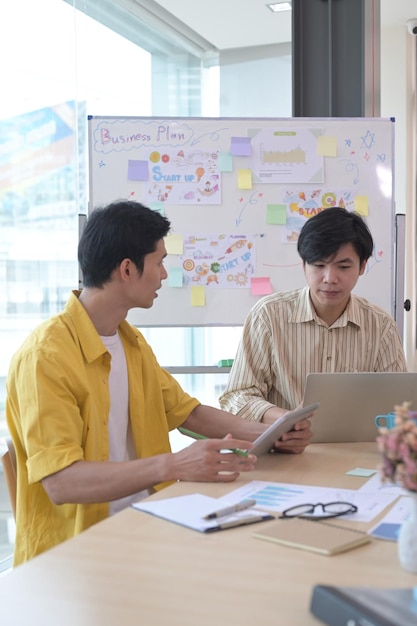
(228, 24)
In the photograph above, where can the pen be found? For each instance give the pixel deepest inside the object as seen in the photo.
(190, 433)
(228, 510)
(242, 522)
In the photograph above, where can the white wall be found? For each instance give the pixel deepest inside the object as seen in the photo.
(398, 99)
(256, 82)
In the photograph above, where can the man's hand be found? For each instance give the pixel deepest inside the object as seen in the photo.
(296, 440)
(210, 460)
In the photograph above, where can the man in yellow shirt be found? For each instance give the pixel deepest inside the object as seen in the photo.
(322, 327)
(90, 409)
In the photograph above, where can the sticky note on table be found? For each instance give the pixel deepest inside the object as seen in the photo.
(244, 179)
(361, 471)
(276, 214)
(137, 170)
(260, 286)
(198, 296)
(327, 146)
(174, 243)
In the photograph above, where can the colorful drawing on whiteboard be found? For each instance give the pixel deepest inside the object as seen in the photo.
(286, 156)
(183, 177)
(303, 204)
(225, 261)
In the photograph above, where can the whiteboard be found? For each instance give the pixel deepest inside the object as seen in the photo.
(237, 192)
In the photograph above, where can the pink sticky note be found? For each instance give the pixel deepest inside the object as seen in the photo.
(260, 286)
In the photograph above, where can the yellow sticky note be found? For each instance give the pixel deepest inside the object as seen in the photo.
(244, 179)
(198, 296)
(327, 146)
(174, 243)
(361, 205)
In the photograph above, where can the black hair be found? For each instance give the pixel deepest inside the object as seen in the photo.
(322, 235)
(121, 230)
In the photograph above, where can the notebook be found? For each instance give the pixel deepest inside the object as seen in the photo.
(312, 535)
(349, 402)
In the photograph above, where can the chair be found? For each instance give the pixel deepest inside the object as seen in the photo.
(10, 473)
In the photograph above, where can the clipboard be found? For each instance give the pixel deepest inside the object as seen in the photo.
(189, 511)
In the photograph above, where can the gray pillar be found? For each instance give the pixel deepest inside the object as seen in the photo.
(336, 58)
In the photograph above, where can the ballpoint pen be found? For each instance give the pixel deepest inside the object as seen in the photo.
(190, 433)
(233, 508)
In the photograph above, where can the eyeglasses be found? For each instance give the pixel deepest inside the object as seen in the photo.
(330, 509)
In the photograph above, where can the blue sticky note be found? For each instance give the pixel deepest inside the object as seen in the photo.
(137, 170)
(175, 277)
(361, 471)
(158, 206)
(225, 162)
(240, 146)
(387, 531)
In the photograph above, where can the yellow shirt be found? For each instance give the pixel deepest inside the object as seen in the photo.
(283, 340)
(57, 410)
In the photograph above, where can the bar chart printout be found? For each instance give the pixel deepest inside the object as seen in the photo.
(276, 497)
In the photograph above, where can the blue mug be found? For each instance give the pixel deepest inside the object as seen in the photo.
(385, 421)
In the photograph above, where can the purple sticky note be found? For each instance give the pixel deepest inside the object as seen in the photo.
(240, 146)
(137, 170)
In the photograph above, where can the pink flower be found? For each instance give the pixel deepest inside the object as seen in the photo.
(398, 448)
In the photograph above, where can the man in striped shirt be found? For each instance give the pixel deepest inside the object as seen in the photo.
(322, 327)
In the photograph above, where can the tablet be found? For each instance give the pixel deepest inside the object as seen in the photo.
(265, 442)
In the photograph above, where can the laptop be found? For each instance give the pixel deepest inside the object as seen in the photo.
(349, 402)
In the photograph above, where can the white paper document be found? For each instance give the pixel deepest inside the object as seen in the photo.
(277, 497)
(190, 510)
(375, 484)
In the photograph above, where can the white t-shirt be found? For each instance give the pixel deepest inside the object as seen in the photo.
(120, 433)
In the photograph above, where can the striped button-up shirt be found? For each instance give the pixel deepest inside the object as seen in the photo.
(283, 340)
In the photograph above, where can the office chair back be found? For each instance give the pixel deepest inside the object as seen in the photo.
(10, 473)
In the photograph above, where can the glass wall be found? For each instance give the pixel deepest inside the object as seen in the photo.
(51, 76)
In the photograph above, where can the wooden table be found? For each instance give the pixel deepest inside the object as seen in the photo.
(137, 569)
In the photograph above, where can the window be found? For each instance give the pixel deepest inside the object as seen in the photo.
(102, 58)
(89, 62)
(61, 60)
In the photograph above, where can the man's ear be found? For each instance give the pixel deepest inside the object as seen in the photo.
(362, 268)
(125, 268)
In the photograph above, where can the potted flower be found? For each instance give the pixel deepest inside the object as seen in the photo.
(398, 448)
